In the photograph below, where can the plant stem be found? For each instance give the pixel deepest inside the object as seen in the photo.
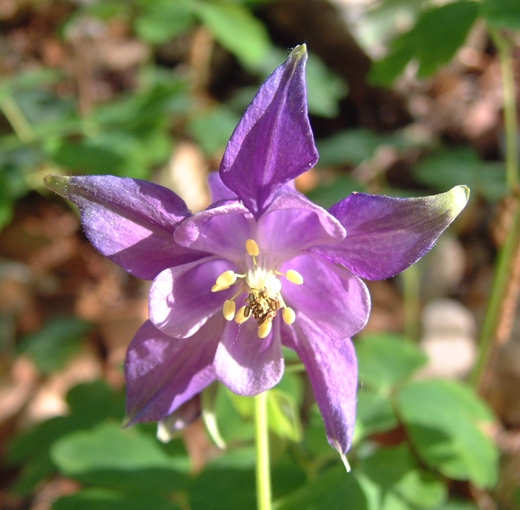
(17, 119)
(263, 475)
(411, 296)
(510, 114)
(508, 250)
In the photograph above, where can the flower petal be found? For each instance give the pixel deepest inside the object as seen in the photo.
(219, 191)
(332, 368)
(129, 221)
(162, 372)
(292, 224)
(386, 235)
(246, 364)
(337, 301)
(181, 300)
(222, 230)
(273, 141)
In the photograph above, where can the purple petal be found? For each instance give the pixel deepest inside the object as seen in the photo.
(292, 224)
(219, 191)
(183, 416)
(129, 221)
(332, 368)
(222, 230)
(337, 301)
(181, 300)
(162, 372)
(386, 235)
(273, 142)
(246, 364)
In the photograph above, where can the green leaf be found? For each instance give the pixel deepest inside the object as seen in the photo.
(444, 420)
(352, 147)
(374, 413)
(90, 403)
(109, 456)
(386, 360)
(53, 345)
(333, 489)
(501, 13)
(397, 476)
(104, 499)
(236, 29)
(446, 168)
(162, 20)
(438, 34)
(283, 415)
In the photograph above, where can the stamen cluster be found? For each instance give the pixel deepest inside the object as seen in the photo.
(263, 293)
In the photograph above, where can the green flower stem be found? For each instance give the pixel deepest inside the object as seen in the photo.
(504, 47)
(508, 250)
(263, 474)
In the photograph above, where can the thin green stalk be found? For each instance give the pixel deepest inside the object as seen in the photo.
(494, 309)
(504, 47)
(507, 252)
(411, 296)
(17, 119)
(263, 471)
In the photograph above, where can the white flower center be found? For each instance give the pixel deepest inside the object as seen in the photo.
(262, 288)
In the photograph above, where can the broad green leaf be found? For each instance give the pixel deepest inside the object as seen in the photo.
(334, 489)
(283, 415)
(399, 480)
(109, 456)
(105, 499)
(438, 34)
(386, 360)
(53, 345)
(374, 413)
(449, 167)
(234, 414)
(501, 13)
(236, 29)
(223, 489)
(444, 420)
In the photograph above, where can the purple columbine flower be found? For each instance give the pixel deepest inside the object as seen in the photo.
(260, 268)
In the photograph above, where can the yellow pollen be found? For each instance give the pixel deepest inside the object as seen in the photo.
(228, 309)
(252, 248)
(264, 329)
(226, 279)
(240, 316)
(294, 277)
(288, 315)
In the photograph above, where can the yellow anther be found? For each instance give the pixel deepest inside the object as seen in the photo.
(218, 288)
(252, 248)
(228, 309)
(288, 315)
(264, 329)
(293, 276)
(226, 279)
(240, 316)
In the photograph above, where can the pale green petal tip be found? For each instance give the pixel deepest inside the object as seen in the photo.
(457, 198)
(56, 183)
(299, 51)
